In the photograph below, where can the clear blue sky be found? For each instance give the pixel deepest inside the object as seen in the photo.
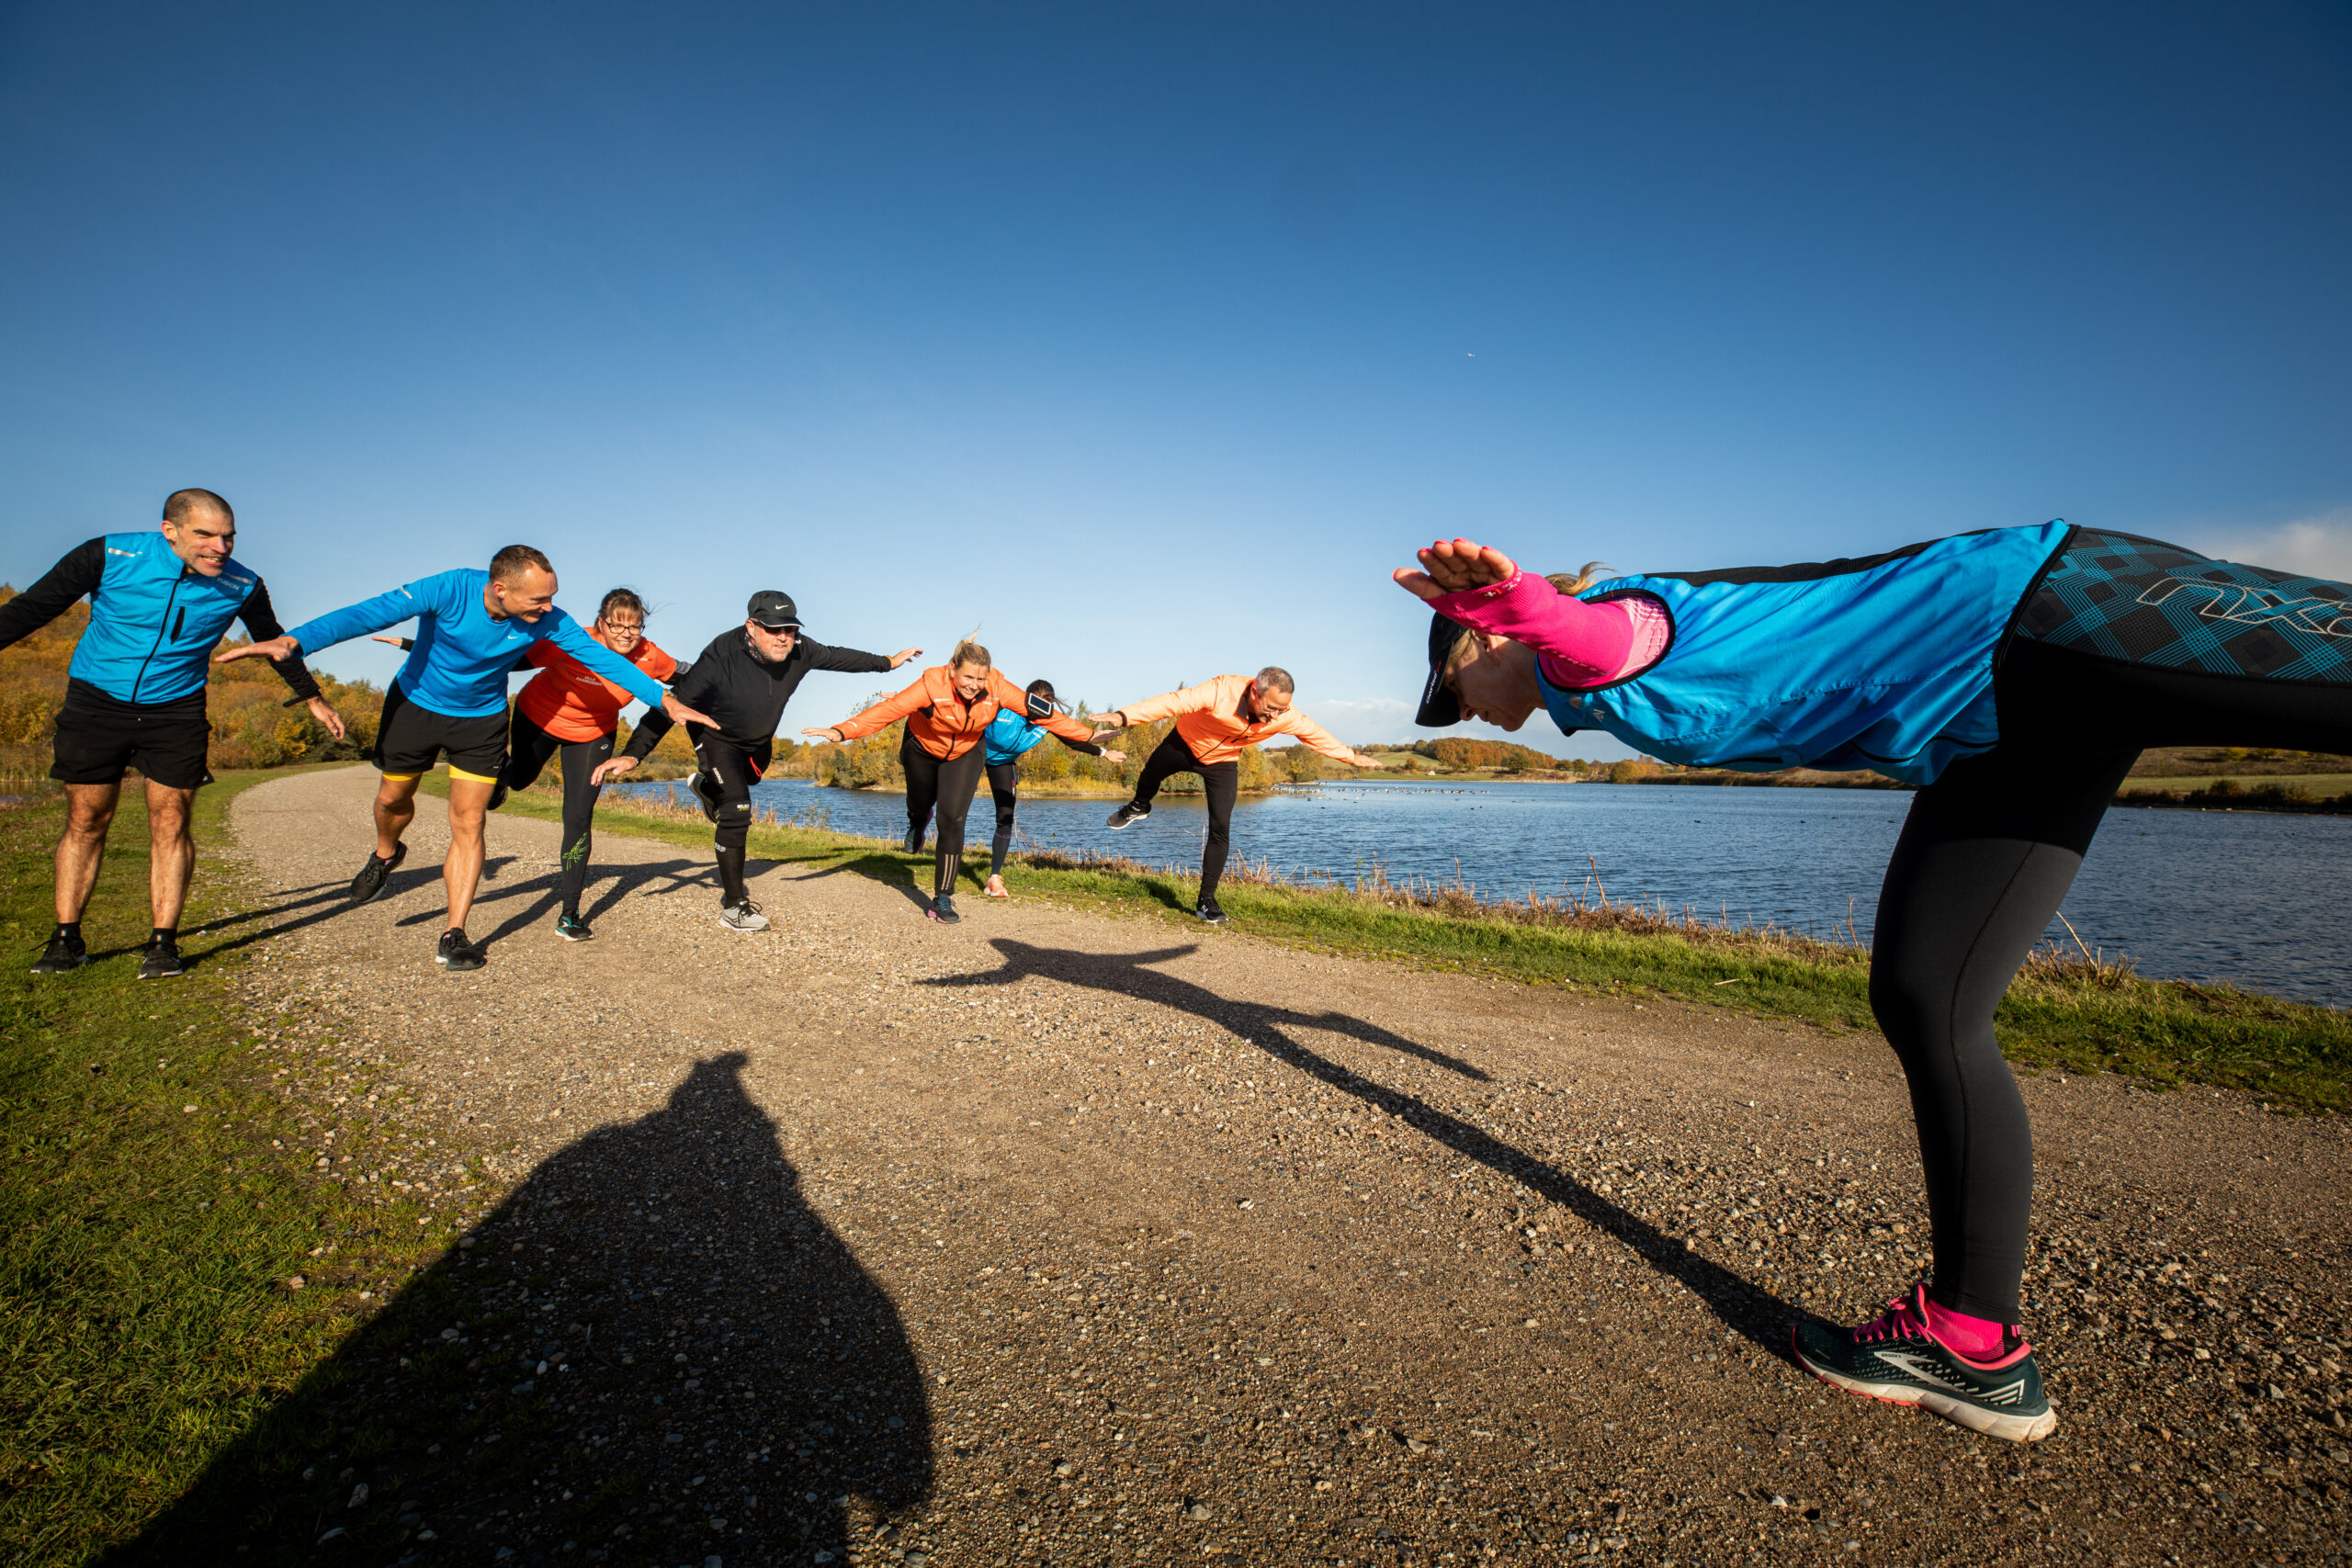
(1150, 337)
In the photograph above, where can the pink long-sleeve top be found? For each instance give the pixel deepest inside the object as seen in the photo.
(1578, 645)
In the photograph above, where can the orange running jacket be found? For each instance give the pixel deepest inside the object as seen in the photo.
(943, 724)
(1209, 718)
(571, 702)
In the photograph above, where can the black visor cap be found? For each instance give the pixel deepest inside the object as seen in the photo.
(1440, 708)
(773, 610)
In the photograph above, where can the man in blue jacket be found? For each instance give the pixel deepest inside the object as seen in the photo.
(449, 699)
(134, 699)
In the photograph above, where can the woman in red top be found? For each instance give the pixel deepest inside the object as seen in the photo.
(568, 707)
(948, 712)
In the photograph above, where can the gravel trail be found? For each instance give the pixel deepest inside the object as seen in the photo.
(1055, 1238)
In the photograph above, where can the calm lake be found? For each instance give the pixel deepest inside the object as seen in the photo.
(2253, 897)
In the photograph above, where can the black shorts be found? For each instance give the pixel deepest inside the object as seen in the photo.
(409, 740)
(99, 736)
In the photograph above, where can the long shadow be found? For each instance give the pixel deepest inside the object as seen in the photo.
(1747, 1308)
(892, 871)
(544, 889)
(655, 1352)
(323, 905)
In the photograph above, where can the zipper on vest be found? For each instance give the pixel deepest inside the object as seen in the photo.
(168, 604)
(180, 627)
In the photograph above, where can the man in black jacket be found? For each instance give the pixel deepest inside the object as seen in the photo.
(742, 680)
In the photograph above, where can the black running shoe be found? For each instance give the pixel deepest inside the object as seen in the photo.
(1211, 911)
(693, 787)
(572, 928)
(1897, 1358)
(942, 909)
(1132, 812)
(375, 873)
(64, 953)
(162, 960)
(456, 952)
(497, 795)
(914, 840)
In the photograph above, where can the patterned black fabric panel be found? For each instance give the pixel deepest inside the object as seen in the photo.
(2149, 602)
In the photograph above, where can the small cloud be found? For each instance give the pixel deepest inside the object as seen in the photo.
(2319, 546)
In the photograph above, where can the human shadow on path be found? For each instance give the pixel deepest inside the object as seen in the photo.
(653, 1352)
(1749, 1309)
(605, 889)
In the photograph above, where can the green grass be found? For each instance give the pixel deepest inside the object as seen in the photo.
(2065, 1012)
(146, 1324)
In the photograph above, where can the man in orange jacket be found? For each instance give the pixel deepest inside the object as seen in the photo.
(1216, 722)
(948, 712)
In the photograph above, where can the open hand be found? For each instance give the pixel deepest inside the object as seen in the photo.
(611, 767)
(903, 655)
(1107, 724)
(1452, 565)
(323, 711)
(1110, 756)
(1361, 761)
(387, 637)
(826, 734)
(681, 713)
(275, 648)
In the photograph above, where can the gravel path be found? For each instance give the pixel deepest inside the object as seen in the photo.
(1054, 1237)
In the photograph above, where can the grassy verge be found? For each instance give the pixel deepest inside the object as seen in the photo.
(2067, 1013)
(161, 1189)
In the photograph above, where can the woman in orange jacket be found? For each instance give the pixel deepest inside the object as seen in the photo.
(947, 711)
(1216, 722)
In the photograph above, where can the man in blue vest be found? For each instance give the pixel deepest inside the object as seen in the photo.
(134, 699)
(473, 629)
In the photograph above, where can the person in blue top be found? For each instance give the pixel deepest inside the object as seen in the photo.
(134, 699)
(449, 699)
(1008, 736)
(2014, 675)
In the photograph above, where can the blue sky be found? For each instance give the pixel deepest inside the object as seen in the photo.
(1150, 338)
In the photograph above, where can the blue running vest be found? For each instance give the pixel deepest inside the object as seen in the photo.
(153, 623)
(1009, 735)
(1884, 661)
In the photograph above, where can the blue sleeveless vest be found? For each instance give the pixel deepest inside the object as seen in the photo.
(1885, 662)
(153, 623)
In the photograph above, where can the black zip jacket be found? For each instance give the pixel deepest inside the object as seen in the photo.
(747, 698)
(79, 572)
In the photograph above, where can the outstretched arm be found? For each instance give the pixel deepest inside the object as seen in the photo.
(1168, 705)
(880, 716)
(1314, 736)
(1485, 590)
(262, 622)
(402, 604)
(855, 660)
(566, 635)
(77, 572)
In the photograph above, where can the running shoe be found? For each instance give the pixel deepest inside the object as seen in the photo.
(942, 909)
(742, 917)
(572, 928)
(995, 889)
(1211, 911)
(374, 875)
(162, 959)
(497, 795)
(1897, 1358)
(693, 787)
(64, 953)
(457, 953)
(914, 840)
(1132, 812)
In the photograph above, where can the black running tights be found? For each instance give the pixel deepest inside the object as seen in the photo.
(1987, 853)
(528, 749)
(949, 787)
(728, 774)
(1004, 789)
(1221, 783)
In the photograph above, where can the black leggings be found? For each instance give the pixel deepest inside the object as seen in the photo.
(948, 786)
(1004, 788)
(528, 748)
(728, 774)
(1221, 781)
(1987, 853)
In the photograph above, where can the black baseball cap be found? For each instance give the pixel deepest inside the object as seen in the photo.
(1441, 707)
(773, 610)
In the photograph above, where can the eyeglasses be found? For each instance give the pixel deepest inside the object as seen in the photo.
(624, 626)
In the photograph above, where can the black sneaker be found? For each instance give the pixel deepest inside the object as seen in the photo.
(572, 928)
(374, 875)
(914, 840)
(1897, 1358)
(942, 909)
(693, 787)
(1132, 812)
(457, 952)
(1211, 911)
(64, 953)
(162, 960)
(497, 795)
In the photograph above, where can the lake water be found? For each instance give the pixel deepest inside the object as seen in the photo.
(2253, 897)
